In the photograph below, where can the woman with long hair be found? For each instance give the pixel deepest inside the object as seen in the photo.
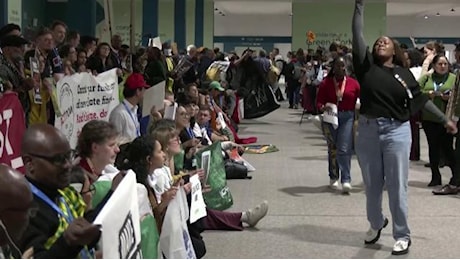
(342, 91)
(438, 87)
(389, 94)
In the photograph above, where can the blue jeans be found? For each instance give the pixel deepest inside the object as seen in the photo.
(340, 146)
(383, 148)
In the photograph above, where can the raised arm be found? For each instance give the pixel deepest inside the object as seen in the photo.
(359, 45)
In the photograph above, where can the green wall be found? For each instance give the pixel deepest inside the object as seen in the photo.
(208, 26)
(166, 19)
(190, 22)
(332, 22)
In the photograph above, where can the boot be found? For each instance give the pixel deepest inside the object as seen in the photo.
(435, 180)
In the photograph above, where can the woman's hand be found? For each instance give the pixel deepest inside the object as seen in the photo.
(188, 188)
(169, 195)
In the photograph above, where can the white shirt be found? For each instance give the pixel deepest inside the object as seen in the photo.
(160, 180)
(124, 118)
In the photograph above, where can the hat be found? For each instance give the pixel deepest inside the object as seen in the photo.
(216, 85)
(13, 41)
(135, 81)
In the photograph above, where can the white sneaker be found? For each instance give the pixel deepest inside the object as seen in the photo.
(254, 215)
(372, 235)
(346, 187)
(401, 247)
(334, 184)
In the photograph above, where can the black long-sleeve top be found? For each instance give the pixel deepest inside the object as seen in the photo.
(384, 90)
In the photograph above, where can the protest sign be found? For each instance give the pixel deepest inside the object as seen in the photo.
(82, 98)
(182, 67)
(12, 128)
(153, 96)
(121, 234)
(330, 116)
(197, 206)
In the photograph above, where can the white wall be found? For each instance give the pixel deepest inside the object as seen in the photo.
(405, 26)
(252, 25)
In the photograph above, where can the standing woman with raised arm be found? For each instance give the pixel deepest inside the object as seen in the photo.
(389, 94)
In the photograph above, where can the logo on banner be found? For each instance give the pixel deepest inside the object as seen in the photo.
(128, 247)
(67, 119)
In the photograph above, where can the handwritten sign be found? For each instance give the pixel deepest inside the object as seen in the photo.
(197, 207)
(82, 98)
(12, 128)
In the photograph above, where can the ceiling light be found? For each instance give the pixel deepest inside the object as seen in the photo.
(426, 17)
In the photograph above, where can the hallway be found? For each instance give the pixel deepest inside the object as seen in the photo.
(308, 220)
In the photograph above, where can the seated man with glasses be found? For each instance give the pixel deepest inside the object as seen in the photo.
(61, 228)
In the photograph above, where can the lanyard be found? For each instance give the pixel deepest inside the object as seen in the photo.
(69, 217)
(138, 132)
(339, 92)
(437, 86)
(190, 132)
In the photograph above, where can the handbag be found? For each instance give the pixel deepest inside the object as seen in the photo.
(236, 170)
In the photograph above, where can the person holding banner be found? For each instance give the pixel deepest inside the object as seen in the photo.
(343, 92)
(124, 116)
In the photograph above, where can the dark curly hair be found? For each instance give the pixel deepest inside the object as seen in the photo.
(135, 157)
(95, 131)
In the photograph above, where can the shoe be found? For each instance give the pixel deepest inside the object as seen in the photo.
(446, 190)
(346, 187)
(334, 184)
(401, 247)
(372, 235)
(256, 214)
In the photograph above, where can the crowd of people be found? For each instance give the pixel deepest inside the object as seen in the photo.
(381, 96)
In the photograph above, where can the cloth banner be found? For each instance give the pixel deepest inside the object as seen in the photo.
(175, 241)
(220, 197)
(12, 128)
(83, 97)
(331, 116)
(259, 101)
(121, 233)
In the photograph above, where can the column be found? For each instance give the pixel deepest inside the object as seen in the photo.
(150, 20)
(179, 23)
(199, 22)
(4, 13)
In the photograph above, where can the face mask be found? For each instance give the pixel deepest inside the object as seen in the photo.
(167, 52)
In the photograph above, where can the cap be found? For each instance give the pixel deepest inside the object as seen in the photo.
(135, 81)
(216, 85)
(13, 41)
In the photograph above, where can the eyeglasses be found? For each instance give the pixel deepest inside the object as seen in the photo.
(59, 159)
(91, 190)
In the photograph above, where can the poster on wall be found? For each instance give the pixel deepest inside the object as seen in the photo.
(15, 12)
(83, 97)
